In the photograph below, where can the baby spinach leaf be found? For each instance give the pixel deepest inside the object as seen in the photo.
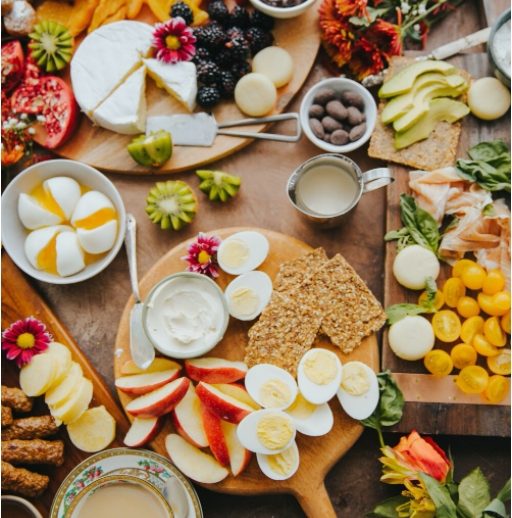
(445, 507)
(387, 508)
(474, 495)
(398, 311)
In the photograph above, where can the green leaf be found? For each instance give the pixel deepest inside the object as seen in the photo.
(488, 210)
(398, 311)
(496, 509)
(474, 494)
(387, 508)
(421, 225)
(488, 151)
(504, 494)
(391, 402)
(445, 507)
(428, 227)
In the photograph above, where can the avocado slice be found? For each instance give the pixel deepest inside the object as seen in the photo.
(442, 109)
(422, 101)
(399, 105)
(403, 81)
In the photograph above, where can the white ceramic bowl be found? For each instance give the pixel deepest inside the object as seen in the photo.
(339, 84)
(14, 234)
(282, 12)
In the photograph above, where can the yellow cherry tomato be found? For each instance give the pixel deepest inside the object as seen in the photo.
(483, 346)
(470, 328)
(463, 355)
(473, 277)
(495, 305)
(493, 332)
(497, 388)
(472, 379)
(468, 307)
(438, 363)
(453, 290)
(446, 325)
(494, 282)
(500, 364)
(505, 323)
(460, 266)
(438, 299)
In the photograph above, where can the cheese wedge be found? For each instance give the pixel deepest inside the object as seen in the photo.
(179, 80)
(106, 58)
(125, 110)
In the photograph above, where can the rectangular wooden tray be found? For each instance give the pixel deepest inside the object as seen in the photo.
(436, 406)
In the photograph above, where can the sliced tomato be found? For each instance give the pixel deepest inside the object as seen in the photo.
(13, 65)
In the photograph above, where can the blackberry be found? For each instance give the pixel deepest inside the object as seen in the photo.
(208, 96)
(202, 54)
(234, 32)
(227, 83)
(223, 58)
(258, 39)
(183, 10)
(208, 72)
(218, 11)
(210, 36)
(239, 17)
(238, 48)
(240, 69)
(261, 20)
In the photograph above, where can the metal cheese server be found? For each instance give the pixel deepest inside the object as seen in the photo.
(200, 129)
(141, 349)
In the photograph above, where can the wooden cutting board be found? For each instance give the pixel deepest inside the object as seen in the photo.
(436, 406)
(107, 150)
(317, 454)
(20, 300)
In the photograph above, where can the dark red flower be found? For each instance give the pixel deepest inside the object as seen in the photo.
(352, 7)
(202, 255)
(366, 59)
(386, 36)
(25, 338)
(336, 35)
(174, 41)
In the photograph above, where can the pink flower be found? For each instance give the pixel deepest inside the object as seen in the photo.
(174, 41)
(24, 339)
(202, 255)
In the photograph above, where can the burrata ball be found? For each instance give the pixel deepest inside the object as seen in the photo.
(413, 265)
(411, 338)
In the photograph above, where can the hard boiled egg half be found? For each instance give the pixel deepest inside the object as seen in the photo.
(248, 294)
(280, 466)
(242, 252)
(359, 390)
(313, 420)
(270, 386)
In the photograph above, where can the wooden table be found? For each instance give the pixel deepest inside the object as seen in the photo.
(91, 310)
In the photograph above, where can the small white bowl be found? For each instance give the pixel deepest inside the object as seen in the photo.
(282, 12)
(339, 84)
(22, 504)
(14, 233)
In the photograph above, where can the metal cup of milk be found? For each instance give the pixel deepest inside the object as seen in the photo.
(326, 188)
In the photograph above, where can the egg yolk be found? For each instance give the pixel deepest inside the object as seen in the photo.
(275, 393)
(235, 253)
(45, 199)
(274, 431)
(282, 463)
(301, 408)
(320, 368)
(96, 219)
(355, 379)
(47, 256)
(244, 301)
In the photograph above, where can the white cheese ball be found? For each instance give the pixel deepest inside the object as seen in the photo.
(413, 265)
(411, 338)
(275, 63)
(488, 98)
(255, 94)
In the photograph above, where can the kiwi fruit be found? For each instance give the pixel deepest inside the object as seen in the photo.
(171, 204)
(219, 186)
(51, 45)
(151, 150)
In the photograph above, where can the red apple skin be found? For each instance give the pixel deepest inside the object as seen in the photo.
(144, 389)
(150, 436)
(225, 374)
(215, 435)
(239, 457)
(162, 406)
(219, 406)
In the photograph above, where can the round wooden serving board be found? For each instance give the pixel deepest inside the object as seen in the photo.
(317, 454)
(106, 150)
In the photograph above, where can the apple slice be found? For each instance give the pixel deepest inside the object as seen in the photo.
(58, 393)
(158, 365)
(187, 419)
(239, 457)
(75, 405)
(142, 431)
(37, 376)
(215, 370)
(138, 384)
(159, 401)
(239, 392)
(216, 439)
(225, 406)
(62, 358)
(193, 462)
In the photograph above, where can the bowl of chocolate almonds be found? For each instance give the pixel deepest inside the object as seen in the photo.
(338, 115)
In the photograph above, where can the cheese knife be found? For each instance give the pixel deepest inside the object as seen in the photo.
(141, 349)
(200, 129)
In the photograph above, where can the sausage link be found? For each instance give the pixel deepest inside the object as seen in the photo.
(16, 399)
(36, 451)
(22, 481)
(6, 416)
(30, 428)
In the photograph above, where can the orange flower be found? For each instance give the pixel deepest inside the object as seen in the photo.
(352, 7)
(336, 36)
(366, 59)
(387, 36)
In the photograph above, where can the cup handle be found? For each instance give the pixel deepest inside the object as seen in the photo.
(377, 178)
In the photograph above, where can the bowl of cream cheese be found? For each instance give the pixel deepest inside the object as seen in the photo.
(185, 315)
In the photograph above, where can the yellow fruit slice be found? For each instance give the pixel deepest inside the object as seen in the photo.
(62, 358)
(158, 365)
(160, 8)
(59, 393)
(93, 431)
(133, 8)
(75, 405)
(500, 364)
(105, 9)
(37, 376)
(496, 389)
(76, 17)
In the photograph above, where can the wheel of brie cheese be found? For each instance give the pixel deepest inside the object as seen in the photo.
(108, 75)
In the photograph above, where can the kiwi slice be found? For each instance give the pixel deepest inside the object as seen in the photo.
(171, 204)
(151, 150)
(219, 186)
(51, 45)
